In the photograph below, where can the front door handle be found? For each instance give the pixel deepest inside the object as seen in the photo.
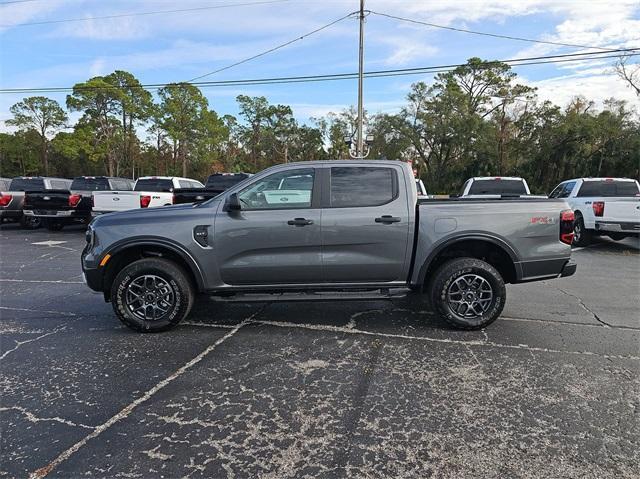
(300, 222)
(388, 219)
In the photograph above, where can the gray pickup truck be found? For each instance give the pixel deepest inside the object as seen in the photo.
(326, 230)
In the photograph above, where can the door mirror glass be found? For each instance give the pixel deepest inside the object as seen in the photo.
(232, 203)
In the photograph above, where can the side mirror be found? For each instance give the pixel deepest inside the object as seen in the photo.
(232, 203)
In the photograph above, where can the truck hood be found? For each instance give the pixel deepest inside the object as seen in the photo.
(141, 214)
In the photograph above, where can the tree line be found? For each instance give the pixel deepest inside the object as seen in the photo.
(474, 120)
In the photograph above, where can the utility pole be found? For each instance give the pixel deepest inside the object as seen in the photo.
(360, 126)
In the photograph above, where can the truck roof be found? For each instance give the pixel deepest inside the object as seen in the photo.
(512, 178)
(600, 179)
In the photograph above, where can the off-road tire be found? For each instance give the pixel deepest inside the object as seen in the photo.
(53, 225)
(176, 279)
(581, 235)
(454, 269)
(30, 222)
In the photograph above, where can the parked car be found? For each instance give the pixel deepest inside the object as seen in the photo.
(148, 192)
(216, 184)
(495, 186)
(332, 229)
(12, 201)
(603, 206)
(64, 207)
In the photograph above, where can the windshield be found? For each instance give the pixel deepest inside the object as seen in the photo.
(90, 184)
(609, 188)
(223, 182)
(497, 187)
(27, 184)
(154, 184)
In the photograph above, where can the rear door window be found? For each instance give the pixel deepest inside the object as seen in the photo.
(608, 188)
(27, 184)
(497, 187)
(362, 186)
(90, 184)
(155, 185)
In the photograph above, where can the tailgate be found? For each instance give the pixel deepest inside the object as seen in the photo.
(623, 210)
(115, 200)
(47, 200)
(192, 195)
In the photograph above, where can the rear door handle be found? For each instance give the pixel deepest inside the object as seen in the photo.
(300, 222)
(388, 219)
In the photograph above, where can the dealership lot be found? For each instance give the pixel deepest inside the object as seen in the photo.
(318, 389)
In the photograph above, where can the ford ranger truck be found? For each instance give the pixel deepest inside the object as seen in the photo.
(333, 230)
(603, 206)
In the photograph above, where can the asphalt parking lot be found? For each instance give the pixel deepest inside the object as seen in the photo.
(351, 389)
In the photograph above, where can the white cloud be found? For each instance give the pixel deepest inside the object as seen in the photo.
(597, 87)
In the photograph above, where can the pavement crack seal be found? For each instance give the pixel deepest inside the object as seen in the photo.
(585, 307)
(353, 416)
(44, 471)
(63, 313)
(33, 418)
(473, 342)
(20, 343)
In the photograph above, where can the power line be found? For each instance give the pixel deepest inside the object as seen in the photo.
(17, 1)
(270, 50)
(486, 34)
(137, 14)
(516, 62)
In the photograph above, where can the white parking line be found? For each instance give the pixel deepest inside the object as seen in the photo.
(44, 471)
(55, 281)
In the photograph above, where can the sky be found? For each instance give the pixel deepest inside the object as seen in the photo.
(178, 46)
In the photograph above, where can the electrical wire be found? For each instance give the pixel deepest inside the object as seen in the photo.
(270, 50)
(515, 62)
(486, 34)
(138, 14)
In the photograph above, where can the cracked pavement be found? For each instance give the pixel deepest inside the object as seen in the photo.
(334, 389)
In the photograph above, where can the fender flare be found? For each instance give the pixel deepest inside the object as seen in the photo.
(176, 248)
(447, 242)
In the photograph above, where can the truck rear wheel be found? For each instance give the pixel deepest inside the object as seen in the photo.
(30, 222)
(468, 293)
(581, 235)
(53, 225)
(152, 295)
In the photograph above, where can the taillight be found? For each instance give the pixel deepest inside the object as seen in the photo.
(173, 199)
(567, 217)
(5, 199)
(598, 208)
(74, 200)
(144, 201)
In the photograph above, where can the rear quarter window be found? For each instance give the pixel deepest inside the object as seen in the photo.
(497, 187)
(608, 189)
(27, 184)
(90, 184)
(154, 185)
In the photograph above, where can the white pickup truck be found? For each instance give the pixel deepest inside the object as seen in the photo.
(148, 192)
(495, 186)
(603, 206)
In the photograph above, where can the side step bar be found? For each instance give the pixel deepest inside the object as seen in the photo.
(249, 297)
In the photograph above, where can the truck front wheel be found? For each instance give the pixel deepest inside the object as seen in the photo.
(468, 293)
(152, 295)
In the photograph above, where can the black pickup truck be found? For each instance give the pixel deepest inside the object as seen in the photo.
(216, 184)
(57, 208)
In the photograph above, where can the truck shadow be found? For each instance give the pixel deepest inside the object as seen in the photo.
(402, 318)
